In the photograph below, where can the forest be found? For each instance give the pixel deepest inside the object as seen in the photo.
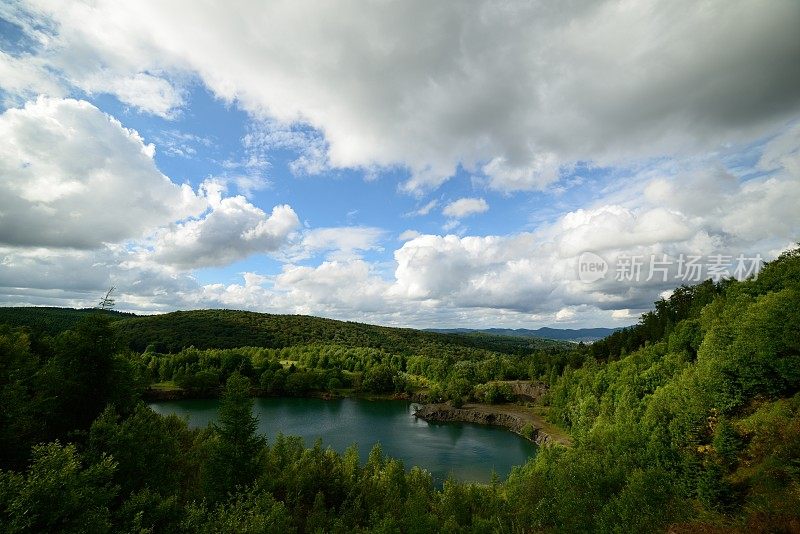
(689, 421)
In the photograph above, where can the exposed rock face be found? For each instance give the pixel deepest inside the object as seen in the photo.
(527, 390)
(515, 423)
(419, 397)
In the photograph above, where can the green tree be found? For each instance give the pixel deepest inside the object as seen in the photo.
(77, 382)
(248, 512)
(20, 424)
(379, 379)
(59, 493)
(235, 455)
(150, 451)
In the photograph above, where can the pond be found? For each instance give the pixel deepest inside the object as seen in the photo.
(468, 452)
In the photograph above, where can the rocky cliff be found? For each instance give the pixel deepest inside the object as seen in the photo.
(527, 390)
(485, 415)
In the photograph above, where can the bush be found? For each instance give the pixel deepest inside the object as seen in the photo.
(202, 380)
(379, 379)
(494, 393)
(528, 431)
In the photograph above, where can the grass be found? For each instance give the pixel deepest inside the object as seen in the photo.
(169, 385)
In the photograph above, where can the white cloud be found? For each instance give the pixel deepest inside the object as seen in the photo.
(692, 193)
(267, 135)
(745, 211)
(77, 278)
(440, 267)
(233, 230)
(764, 208)
(252, 295)
(565, 315)
(612, 227)
(464, 207)
(75, 177)
(513, 94)
(24, 77)
(533, 174)
(513, 90)
(423, 210)
(782, 152)
(453, 225)
(513, 280)
(536, 272)
(333, 285)
(408, 235)
(141, 90)
(340, 242)
(181, 144)
(626, 313)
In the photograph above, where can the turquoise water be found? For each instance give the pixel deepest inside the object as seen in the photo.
(467, 451)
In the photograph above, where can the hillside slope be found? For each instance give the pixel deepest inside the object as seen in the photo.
(172, 332)
(697, 427)
(223, 329)
(52, 321)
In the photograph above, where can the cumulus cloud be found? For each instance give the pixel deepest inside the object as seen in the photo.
(464, 207)
(340, 241)
(514, 280)
(738, 211)
(333, 285)
(77, 278)
(516, 95)
(513, 91)
(703, 212)
(534, 173)
(74, 177)
(252, 295)
(233, 230)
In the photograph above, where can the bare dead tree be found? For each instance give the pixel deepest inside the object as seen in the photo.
(107, 302)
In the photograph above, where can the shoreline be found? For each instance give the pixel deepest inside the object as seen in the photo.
(511, 417)
(171, 394)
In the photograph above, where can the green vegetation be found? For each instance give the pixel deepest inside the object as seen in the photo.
(198, 350)
(689, 421)
(52, 321)
(343, 355)
(223, 329)
(318, 367)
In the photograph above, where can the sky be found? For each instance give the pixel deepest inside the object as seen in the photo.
(411, 163)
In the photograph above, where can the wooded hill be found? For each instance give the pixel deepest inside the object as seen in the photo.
(225, 329)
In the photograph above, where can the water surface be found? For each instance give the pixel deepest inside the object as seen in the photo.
(469, 452)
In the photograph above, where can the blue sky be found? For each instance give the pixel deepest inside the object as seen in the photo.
(350, 163)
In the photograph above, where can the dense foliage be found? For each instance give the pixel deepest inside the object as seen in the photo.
(686, 302)
(694, 426)
(328, 368)
(52, 321)
(220, 329)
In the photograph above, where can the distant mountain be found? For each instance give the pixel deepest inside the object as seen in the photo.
(576, 335)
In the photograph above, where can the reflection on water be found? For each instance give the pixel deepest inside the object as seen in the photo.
(468, 452)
